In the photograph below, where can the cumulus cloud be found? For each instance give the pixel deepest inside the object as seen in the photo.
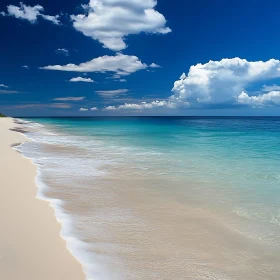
(94, 109)
(25, 66)
(120, 64)
(62, 51)
(83, 110)
(220, 84)
(110, 21)
(70, 98)
(81, 79)
(111, 93)
(29, 13)
(223, 82)
(4, 86)
(271, 98)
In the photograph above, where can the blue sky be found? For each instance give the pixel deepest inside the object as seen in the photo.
(127, 57)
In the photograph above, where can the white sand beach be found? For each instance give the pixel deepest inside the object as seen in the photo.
(30, 244)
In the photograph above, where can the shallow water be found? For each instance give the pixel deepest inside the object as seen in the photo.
(163, 198)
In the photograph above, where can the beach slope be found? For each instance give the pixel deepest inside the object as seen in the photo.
(30, 245)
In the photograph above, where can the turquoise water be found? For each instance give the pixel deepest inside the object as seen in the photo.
(229, 166)
(247, 150)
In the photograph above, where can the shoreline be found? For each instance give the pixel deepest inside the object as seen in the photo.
(118, 226)
(31, 246)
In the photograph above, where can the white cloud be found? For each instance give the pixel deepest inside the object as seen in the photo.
(120, 64)
(62, 51)
(85, 7)
(109, 21)
(53, 19)
(70, 98)
(266, 88)
(94, 109)
(153, 65)
(183, 76)
(142, 106)
(83, 110)
(29, 13)
(222, 82)
(271, 98)
(110, 108)
(25, 66)
(111, 93)
(81, 79)
(4, 86)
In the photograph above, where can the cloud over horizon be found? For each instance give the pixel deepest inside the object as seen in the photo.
(219, 84)
(142, 106)
(226, 82)
(110, 21)
(271, 98)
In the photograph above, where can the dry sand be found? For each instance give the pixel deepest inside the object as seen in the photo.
(30, 245)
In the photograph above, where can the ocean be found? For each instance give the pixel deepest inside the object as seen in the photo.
(163, 197)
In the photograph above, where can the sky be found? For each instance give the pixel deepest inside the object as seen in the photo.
(140, 57)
